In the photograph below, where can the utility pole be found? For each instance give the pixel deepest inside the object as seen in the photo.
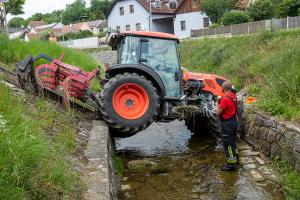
(150, 16)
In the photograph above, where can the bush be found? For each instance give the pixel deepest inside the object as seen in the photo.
(76, 35)
(261, 9)
(216, 8)
(289, 8)
(235, 17)
(17, 22)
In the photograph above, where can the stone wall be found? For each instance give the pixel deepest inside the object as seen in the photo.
(274, 138)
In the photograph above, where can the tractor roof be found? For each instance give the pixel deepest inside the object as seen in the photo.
(114, 38)
(151, 34)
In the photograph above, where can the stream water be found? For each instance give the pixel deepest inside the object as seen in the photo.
(181, 165)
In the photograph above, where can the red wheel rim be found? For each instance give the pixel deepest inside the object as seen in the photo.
(130, 101)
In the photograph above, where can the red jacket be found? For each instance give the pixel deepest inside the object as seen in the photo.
(229, 106)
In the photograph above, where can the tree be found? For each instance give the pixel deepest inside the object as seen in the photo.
(14, 7)
(289, 8)
(215, 9)
(100, 8)
(17, 22)
(36, 17)
(235, 17)
(75, 12)
(261, 9)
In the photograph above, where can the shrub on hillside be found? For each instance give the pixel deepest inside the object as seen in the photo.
(289, 8)
(216, 8)
(76, 35)
(261, 9)
(235, 17)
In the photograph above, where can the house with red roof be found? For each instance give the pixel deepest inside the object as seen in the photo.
(177, 17)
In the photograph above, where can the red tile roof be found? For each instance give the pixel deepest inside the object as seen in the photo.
(74, 27)
(34, 24)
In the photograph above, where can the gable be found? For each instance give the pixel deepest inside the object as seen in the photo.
(188, 6)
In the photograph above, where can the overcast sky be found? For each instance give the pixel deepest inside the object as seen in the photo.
(44, 6)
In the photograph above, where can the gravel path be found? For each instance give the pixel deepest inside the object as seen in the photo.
(104, 57)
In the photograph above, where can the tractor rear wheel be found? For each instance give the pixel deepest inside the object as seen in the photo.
(129, 103)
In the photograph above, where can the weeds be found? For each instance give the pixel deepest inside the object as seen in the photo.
(118, 165)
(289, 178)
(13, 51)
(33, 153)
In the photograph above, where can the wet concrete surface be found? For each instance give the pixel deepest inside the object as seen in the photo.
(181, 165)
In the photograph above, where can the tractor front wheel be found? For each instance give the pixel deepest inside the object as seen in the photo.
(129, 103)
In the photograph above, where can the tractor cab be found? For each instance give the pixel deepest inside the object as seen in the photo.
(152, 54)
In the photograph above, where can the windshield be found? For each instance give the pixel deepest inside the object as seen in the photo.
(159, 54)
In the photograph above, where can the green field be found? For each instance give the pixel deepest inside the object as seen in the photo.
(268, 64)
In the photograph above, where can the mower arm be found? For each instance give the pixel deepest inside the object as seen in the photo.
(42, 55)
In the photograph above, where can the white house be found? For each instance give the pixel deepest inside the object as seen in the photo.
(177, 17)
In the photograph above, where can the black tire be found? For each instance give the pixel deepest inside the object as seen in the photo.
(207, 121)
(119, 126)
(197, 124)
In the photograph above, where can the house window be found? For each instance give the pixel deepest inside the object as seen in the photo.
(182, 25)
(118, 28)
(138, 26)
(195, 3)
(173, 5)
(121, 10)
(127, 27)
(206, 22)
(131, 9)
(157, 4)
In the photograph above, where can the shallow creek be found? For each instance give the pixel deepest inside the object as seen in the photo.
(168, 162)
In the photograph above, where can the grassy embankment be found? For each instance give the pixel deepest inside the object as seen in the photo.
(12, 51)
(37, 137)
(269, 65)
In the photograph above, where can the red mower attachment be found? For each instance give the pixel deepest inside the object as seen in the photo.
(61, 78)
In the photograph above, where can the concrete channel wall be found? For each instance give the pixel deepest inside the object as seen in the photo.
(274, 138)
(99, 173)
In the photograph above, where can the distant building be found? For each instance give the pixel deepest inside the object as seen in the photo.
(76, 27)
(18, 34)
(244, 4)
(177, 17)
(54, 27)
(98, 26)
(33, 24)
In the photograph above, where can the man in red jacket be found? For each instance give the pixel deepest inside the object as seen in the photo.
(227, 111)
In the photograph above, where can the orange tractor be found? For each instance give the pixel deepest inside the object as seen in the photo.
(144, 85)
(148, 82)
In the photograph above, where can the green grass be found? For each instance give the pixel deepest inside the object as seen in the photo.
(36, 137)
(118, 165)
(13, 51)
(290, 179)
(267, 63)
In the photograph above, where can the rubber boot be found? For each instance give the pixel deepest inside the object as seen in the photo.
(228, 167)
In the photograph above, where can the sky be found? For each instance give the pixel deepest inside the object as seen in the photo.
(44, 6)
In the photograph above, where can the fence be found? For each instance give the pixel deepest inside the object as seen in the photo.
(251, 27)
(85, 43)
